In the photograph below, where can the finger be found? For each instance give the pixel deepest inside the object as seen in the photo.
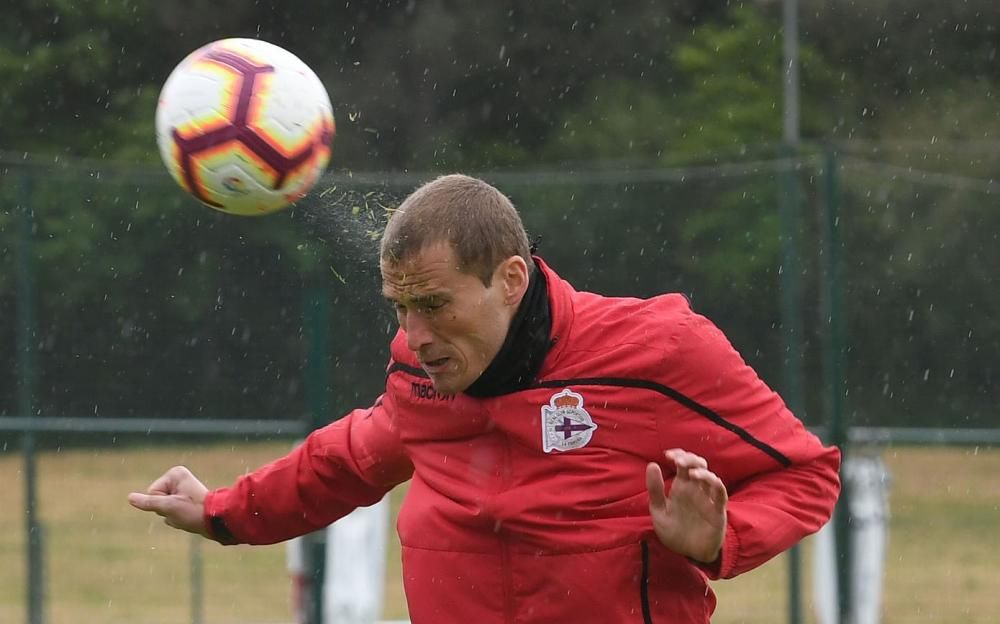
(685, 459)
(705, 475)
(654, 483)
(147, 502)
(168, 482)
(711, 485)
(684, 462)
(164, 485)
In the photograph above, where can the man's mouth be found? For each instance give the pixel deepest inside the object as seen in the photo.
(434, 366)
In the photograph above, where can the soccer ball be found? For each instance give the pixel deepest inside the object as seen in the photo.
(244, 126)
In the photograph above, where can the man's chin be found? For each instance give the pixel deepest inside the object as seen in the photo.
(444, 384)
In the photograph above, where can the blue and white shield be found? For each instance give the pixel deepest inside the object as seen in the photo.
(566, 425)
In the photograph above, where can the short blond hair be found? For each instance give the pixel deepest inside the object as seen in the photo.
(478, 221)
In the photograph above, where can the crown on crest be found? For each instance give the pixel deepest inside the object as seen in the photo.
(566, 400)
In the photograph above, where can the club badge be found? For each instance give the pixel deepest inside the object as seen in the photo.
(565, 424)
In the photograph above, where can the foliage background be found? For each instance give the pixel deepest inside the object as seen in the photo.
(641, 139)
(151, 306)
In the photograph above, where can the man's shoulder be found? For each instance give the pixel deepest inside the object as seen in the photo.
(665, 312)
(628, 337)
(661, 339)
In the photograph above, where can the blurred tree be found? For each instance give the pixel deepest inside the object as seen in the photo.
(75, 77)
(414, 85)
(722, 103)
(900, 53)
(460, 85)
(718, 97)
(921, 229)
(129, 270)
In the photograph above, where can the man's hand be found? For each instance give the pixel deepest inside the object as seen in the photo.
(691, 519)
(178, 496)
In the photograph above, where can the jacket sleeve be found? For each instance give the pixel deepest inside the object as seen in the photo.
(782, 482)
(350, 463)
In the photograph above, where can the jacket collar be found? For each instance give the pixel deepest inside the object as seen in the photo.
(535, 339)
(528, 339)
(562, 312)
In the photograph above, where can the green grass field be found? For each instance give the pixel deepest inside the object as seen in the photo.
(107, 563)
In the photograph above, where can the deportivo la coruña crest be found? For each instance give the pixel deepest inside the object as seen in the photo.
(566, 425)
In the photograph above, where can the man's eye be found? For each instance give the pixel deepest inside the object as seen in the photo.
(421, 308)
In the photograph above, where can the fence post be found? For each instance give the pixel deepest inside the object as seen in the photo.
(27, 374)
(316, 319)
(791, 334)
(833, 370)
(197, 581)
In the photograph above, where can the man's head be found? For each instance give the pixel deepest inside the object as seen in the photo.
(455, 264)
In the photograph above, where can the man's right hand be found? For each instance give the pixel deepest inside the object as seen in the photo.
(177, 496)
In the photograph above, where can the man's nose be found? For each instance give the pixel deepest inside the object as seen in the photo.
(418, 332)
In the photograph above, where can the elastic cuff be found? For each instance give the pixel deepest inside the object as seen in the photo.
(730, 551)
(220, 532)
(723, 564)
(214, 523)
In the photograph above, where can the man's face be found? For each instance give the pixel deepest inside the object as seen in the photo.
(454, 324)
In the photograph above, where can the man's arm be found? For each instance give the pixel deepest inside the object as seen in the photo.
(772, 510)
(780, 482)
(350, 463)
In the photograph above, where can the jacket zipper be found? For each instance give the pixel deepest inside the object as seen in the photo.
(647, 617)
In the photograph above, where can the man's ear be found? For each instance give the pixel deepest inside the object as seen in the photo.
(514, 275)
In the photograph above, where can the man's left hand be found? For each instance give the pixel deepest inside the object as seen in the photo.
(690, 519)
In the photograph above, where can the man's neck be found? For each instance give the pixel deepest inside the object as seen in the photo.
(519, 359)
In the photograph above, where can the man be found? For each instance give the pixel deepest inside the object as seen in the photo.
(572, 457)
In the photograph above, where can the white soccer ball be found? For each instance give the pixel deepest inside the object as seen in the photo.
(244, 126)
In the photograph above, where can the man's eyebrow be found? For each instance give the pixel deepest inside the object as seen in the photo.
(416, 299)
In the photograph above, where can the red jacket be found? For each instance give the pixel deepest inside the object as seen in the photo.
(532, 506)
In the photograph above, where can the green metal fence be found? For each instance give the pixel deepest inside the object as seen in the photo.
(857, 280)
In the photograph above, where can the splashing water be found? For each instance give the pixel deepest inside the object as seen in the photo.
(349, 221)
